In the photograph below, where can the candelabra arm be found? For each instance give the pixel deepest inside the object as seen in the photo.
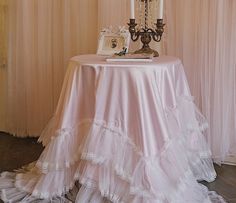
(135, 36)
(156, 37)
(133, 33)
(159, 30)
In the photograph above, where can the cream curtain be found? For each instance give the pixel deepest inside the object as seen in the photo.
(3, 33)
(113, 12)
(3, 61)
(203, 34)
(43, 35)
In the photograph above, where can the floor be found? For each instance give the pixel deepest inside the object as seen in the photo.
(15, 152)
(225, 183)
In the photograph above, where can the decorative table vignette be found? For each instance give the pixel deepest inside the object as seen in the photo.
(138, 139)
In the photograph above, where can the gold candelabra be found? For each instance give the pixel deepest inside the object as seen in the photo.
(146, 33)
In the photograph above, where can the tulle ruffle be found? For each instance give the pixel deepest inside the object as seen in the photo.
(111, 167)
(114, 166)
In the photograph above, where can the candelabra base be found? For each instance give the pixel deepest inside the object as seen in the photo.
(147, 50)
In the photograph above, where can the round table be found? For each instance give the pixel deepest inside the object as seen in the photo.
(125, 132)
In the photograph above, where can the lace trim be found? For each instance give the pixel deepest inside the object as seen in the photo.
(118, 170)
(96, 159)
(10, 191)
(64, 132)
(201, 126)
(43, 195)
(112, 127)
(137, 191)
(46, 166)
(91, 184)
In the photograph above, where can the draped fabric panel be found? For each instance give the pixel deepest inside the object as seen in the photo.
(113, 13)
(43, 35)
(203, 34)
(3, 33)
(3, 60)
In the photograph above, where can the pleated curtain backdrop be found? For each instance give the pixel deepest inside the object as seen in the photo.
(43, 35)
(3, 60)
(3, 33)
(203, 34)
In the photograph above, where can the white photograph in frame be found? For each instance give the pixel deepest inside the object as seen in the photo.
(111, 42)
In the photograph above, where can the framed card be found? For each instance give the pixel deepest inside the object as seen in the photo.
(111, 42)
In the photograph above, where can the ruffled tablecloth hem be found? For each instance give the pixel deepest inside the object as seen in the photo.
(113, 175)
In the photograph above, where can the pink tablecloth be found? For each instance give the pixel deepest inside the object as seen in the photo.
(126, 131)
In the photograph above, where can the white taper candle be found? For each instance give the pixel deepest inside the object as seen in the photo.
(161, 6)
(132, 9)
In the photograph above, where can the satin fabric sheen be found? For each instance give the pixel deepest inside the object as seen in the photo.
(126, 132)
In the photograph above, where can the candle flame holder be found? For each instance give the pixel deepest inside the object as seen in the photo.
(146, 33)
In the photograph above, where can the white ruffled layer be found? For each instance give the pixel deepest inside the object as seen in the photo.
(113, 174)
(90, 194)
(108, 164)
(10, 193)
